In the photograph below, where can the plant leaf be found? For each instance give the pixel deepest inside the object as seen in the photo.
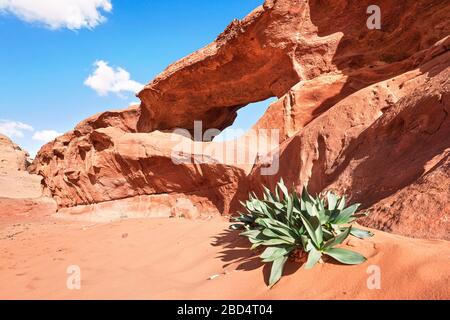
(255, 245)
(275, 242)
(272, 222)
(277, 270)
(289, 209)
(345, 256)
(323, 217)
(304, 240)
(268, 194)
(249, 206)
(283, 189)
(271, 233)
(305, 196)
(345, 215)
(277, 194)
(273, 253)
(311, 209)
(244, 219)
(314, 230)
(361, 234)
(332, 201)
(338, 239)
(341, 205)
(275, 205)
(313, 257)
(251, 233)
(269, 252)
(237, 227)
(327, 235)
(357, 216)
(282, 231)
(296, 200)
(302, 205)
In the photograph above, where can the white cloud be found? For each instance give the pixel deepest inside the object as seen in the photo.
(56, 14)
(14, 129)
(106, 79)
(46, 135)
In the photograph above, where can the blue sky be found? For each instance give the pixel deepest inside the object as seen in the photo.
(45, 60)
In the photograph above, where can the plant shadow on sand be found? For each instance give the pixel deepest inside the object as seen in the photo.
(236, 252)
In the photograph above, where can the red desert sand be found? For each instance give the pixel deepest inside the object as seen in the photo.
(199, 259)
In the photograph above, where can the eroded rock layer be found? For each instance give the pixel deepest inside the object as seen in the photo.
(98, 163)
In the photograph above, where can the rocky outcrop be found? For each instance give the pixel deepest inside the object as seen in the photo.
(20, 192)
(363, 112)
(15, 182)
(98, 163)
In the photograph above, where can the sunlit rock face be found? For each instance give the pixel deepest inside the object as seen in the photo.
(361, 111)
(20, 192)
(283, 43)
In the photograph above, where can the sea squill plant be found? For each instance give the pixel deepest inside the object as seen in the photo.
(288, 224)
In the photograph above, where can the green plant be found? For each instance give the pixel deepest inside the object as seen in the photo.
(289, 224)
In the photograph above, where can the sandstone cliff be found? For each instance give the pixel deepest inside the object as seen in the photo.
(363, 112)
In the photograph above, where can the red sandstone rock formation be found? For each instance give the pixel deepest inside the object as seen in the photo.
(364, 112)
(104, 159)
(12, 158)
(282, 43)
